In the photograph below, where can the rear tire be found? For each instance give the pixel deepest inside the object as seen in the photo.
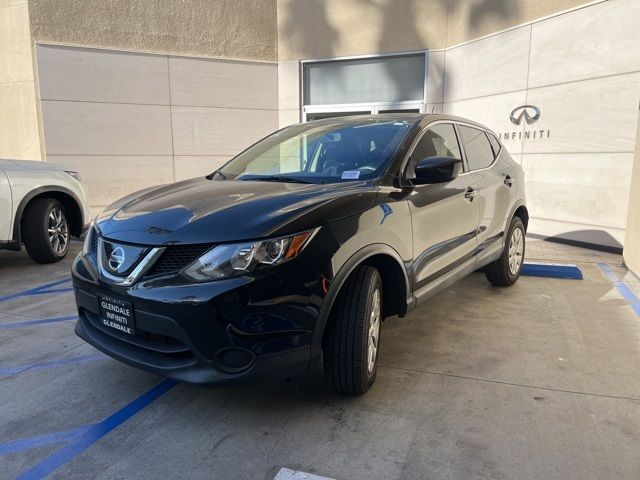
(506, 270)
(353, 335)
(45, 230)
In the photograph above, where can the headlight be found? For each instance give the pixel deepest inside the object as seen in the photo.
(75, 175)
(230, 260)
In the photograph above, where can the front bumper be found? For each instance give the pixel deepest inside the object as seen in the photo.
(243, 329)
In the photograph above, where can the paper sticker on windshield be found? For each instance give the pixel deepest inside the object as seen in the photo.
(351, 175)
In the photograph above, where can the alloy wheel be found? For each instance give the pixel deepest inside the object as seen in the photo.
(374, 330)
(516, 251)
(58, 231)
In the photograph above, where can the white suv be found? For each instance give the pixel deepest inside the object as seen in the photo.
(41, 205)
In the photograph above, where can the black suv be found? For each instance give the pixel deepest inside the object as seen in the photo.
(298, 248)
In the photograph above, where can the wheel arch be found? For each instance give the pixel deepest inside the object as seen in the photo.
(395, 285)
(519, 209)
(66, 197)
(523, 214)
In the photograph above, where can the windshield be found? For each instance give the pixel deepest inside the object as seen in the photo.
(321, 153)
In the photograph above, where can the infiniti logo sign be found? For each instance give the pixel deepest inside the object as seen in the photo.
(530, 113)
(116, 259)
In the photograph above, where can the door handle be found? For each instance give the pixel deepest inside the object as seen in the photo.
(508, 181)
(470, 193)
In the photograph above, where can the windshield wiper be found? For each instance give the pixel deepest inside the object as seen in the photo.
(276, 178)
(217, 172)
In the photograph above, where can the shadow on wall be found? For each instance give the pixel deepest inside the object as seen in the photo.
(400, 19)
(305, 38)
(482, 12)
(399, 26)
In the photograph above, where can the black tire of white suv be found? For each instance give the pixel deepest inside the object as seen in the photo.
(45, 230)
(505, 271)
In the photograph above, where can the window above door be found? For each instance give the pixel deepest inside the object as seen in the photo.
(367, 85)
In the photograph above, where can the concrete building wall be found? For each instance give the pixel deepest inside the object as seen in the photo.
(128, 120)
(332, 28)
(582, 69)
(241, 29)
(19, 134)
(631, 252)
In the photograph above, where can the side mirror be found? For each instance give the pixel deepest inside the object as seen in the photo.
(437, 169)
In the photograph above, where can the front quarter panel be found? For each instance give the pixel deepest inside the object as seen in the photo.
(25, 181)
(385, 228)
(387, 222)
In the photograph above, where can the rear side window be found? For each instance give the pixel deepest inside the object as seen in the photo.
(477, 147)
(495, 144)
(438, 141)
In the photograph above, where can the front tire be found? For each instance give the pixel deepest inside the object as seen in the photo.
(45, 230)
(353, 336)
(506, 270)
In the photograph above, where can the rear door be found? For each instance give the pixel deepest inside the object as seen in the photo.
(6, 207)
(444, 215)
(495, 180)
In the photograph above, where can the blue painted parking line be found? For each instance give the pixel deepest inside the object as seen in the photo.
(42, 289)
(41, 440)
(551, 270)
(622, 288)
(47, 292)
(33, 323)
(95, 433)
(8, 371)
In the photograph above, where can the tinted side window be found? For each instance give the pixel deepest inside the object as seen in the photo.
(438, 141)
(495, 144)
(477, 147)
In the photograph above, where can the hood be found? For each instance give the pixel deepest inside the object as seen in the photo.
(39, 165)
(211, 211)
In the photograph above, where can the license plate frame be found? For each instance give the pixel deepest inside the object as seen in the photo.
(117, 314)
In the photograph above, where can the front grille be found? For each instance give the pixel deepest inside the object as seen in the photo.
(176, 257)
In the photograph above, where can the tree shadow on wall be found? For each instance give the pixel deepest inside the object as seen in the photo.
(481, 12)
(306, 26)
(304, 35)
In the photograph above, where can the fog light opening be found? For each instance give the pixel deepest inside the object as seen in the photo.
(234, 359)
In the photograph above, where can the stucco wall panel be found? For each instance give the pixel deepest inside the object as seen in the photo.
(201, 131)
(92, 75)
(19, 136)
(109, 177)
(222, 28)
(198, 166)
(119, 116)
(580, 188)
(19, 132)
(84, 128)
(596, 115)
(590, 42)
(493, 65)
(214, 83)
(15, 45)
